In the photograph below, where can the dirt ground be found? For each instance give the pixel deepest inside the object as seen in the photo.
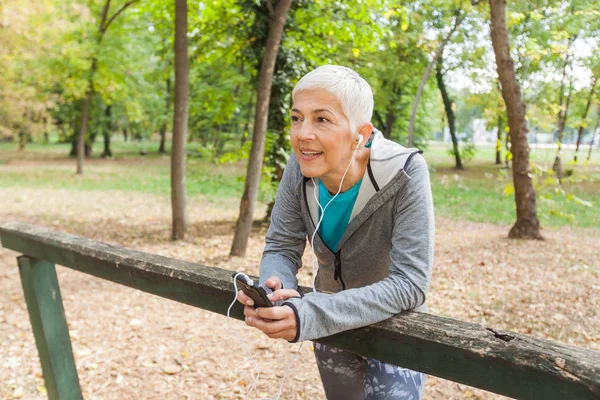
(131, 345)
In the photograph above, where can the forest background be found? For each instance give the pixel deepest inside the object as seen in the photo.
(99, 78)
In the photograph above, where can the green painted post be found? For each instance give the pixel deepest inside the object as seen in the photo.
(50, 330)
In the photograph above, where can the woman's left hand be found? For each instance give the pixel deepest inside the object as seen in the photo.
(275, 322)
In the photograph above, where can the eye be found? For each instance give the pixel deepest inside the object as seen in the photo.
(295, 118)
(322, 119)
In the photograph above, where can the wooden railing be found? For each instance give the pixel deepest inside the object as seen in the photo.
(508, 363)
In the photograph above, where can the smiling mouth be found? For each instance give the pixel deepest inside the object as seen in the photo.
(310, 153)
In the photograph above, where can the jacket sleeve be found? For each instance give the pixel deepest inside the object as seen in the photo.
(286, 237)
(322, 314)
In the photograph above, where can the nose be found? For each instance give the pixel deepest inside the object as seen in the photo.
(305, 131)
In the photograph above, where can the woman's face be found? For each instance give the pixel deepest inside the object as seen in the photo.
(320, 135)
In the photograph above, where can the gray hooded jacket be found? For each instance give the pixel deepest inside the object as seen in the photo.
(383, 263)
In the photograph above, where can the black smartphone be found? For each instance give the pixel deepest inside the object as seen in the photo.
(255, 292)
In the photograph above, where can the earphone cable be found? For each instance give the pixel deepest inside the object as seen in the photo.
(289, 367)
(240, 337)
(312, 240)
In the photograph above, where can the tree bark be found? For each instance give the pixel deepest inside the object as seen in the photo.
(248, 120)
(83, 128)
(449, 112)
(22, 140)
(380, 121)
(255, 161)
(180, 119)
(499, 141)
(390, 116)
(527, 225)
(508, 152)
(584, 116)
(440, 49)
(107, 132)
(557, 166)
(593, 136)
(163, 128)
(563, 111)
(500, 132)
(389, 122)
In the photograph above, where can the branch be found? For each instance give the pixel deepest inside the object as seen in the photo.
(270, 9)
(104, 15)
(411, 125)
(115, 15)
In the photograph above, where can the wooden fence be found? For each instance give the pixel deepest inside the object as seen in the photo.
(504, 362)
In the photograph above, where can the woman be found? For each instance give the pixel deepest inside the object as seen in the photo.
(373, 241)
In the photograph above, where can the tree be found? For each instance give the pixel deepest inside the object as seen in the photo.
(180, 119)
(582, 124)
(594, 135)
(527, 225)
(247, 204)
(106, 131)
(105, 23)
(563, 108)
(448, 107)
(163, 126)
(459, 15)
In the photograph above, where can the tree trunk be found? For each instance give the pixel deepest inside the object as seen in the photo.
(380, 122)
(583, 117)
(499, 141)
(500, 132)
(180, 118)
(244, 223)
(106, 133)
(593, 136)
(125, 135)
(527, 225)
(557, 166)
(83, 127)
(218, 141)
(163, 128)
(22, 139)
(247, 125)
(449, 112)
(508, 153)
(389, 123)
(563, 112)
(106, 153)
(440, 49)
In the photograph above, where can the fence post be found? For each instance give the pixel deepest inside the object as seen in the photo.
(47, 315)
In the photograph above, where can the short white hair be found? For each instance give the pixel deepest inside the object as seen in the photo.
(353, 92)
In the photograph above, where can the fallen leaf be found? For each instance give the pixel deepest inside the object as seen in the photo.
(172, 369)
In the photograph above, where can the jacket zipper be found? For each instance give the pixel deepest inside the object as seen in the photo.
(337, 273)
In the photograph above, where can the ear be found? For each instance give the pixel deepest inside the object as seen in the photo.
(365, 130)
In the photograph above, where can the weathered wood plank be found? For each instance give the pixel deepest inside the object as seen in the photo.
(508, 363)
(47, 315)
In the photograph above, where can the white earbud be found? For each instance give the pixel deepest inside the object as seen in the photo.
(360, 139)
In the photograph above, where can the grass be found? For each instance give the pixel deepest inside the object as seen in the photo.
(475, 194)
(47, 166)
(478, 193)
